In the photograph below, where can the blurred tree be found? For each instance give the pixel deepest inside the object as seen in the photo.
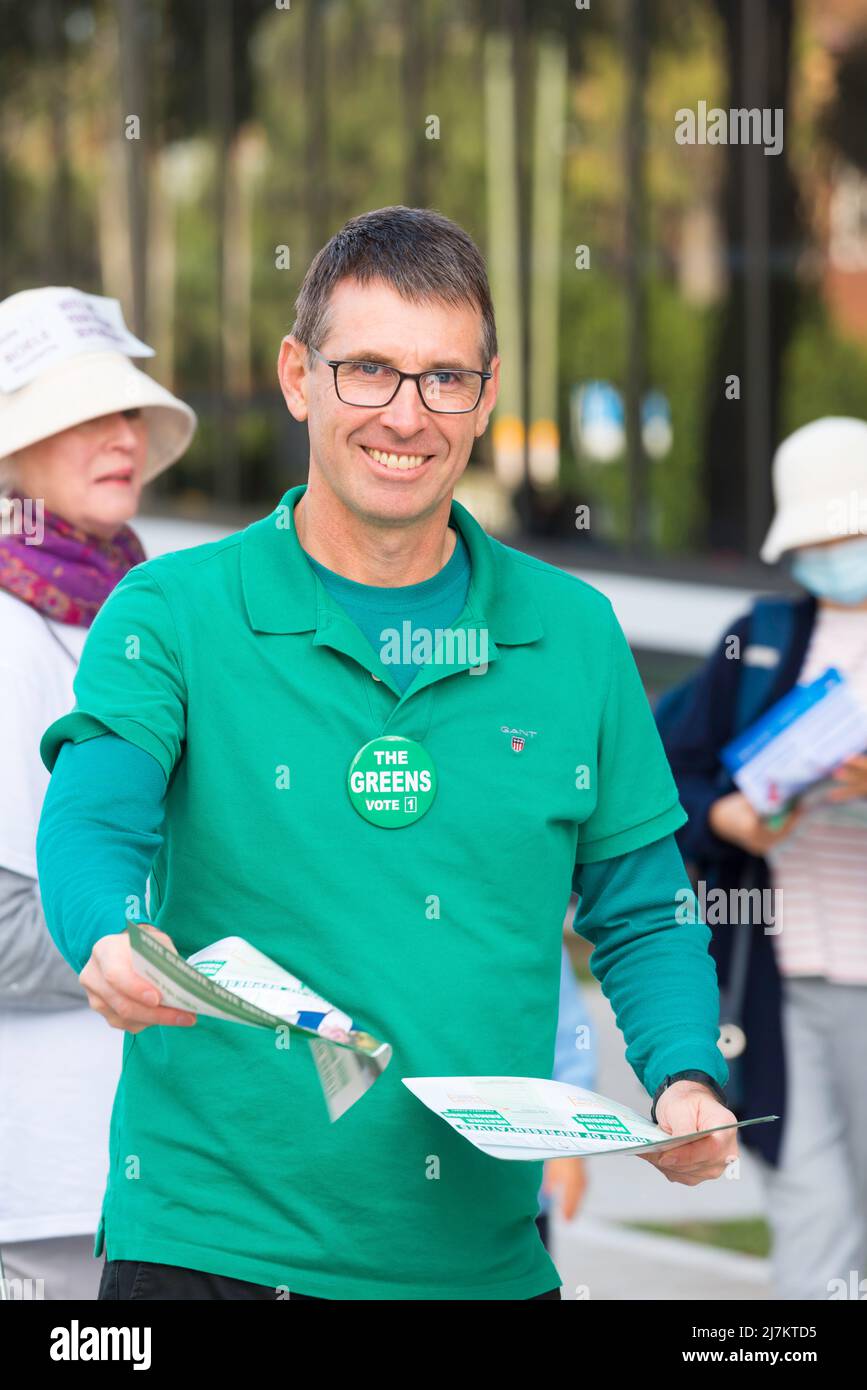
(635, 241)
(330, 99)
(761, 306)
(34, 39)
(844, 124)
(316, 109)
(134, 35)
(413, 67)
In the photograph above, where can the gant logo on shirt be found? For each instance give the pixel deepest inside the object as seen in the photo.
(518, 736)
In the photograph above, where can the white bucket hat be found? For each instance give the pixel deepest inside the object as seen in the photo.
(820, 485)
(65, 358)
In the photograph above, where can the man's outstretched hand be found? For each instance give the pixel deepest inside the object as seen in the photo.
(686, 1106)
(125, 999)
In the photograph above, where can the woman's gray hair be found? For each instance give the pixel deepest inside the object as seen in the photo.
(423, 255)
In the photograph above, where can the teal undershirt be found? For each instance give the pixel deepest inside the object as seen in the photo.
(406, 610)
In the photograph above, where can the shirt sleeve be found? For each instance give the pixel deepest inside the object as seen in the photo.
(23, 779)
(651, 958)
(130, 680)
(98, 835)
(636, 794)
(33, 974)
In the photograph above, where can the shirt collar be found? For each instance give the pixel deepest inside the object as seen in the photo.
(280, 587)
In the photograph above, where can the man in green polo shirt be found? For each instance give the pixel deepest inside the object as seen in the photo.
(228, 698)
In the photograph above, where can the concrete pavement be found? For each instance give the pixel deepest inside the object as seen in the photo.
(598, 1257)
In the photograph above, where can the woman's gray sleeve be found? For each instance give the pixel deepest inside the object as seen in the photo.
(33, 973)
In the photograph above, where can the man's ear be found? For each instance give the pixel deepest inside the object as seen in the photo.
(293, 374)
(489, 398)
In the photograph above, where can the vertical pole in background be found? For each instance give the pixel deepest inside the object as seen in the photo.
(316, 198)
(546, 262)
(114, 239)
(220, 75)
(57, 240)
(162, 211)
(522, 53)
(757, 289)
(5, 228)
(246, 166)
(131, 24)
(503, 252)
(415, 178)
(636, 317)
(162, 266)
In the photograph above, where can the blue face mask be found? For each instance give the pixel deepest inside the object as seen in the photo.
(836, 572)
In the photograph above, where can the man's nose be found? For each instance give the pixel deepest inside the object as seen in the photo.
(405, 412)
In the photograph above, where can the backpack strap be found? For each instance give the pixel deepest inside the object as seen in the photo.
(771, 628)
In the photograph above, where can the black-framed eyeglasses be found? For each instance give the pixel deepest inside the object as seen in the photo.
(450, 391)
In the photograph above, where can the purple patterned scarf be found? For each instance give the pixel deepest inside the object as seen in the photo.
(71, 573)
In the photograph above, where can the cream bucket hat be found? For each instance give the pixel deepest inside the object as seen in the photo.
(65, 358)
(820, 485)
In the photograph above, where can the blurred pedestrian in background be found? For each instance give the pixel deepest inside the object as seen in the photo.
(575, 1064)
(81, 431)
(801, 983)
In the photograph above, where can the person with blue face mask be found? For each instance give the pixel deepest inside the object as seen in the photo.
(835, 571)
(802, 1000)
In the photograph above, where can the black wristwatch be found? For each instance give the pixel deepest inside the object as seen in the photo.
(701, 1076)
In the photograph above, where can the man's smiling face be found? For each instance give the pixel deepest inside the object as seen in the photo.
(398, 463)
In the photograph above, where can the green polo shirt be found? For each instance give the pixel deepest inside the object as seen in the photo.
(232, 666)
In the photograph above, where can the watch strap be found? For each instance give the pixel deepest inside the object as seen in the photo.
(689, 1075)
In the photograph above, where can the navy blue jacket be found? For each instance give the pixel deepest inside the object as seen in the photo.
(692, 742)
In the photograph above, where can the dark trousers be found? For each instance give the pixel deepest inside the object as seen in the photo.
(141, 1279)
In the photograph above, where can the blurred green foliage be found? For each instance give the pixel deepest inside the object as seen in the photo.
(61, 111)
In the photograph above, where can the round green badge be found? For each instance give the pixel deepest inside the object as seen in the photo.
(392, 781)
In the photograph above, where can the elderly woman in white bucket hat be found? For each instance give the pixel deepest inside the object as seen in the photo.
(81, 430)
(793, 984)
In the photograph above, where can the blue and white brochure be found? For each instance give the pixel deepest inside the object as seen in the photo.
(799, 741)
